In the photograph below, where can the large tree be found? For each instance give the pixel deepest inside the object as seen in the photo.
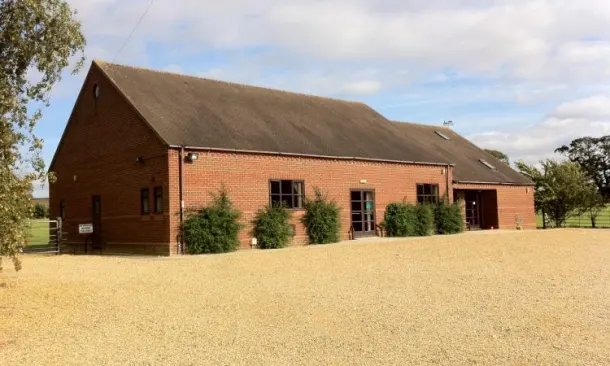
(499, 155)
(593, 155)
(593, 204)
(561, 188)
(38, 39)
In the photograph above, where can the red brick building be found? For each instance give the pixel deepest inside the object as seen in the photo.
(140, 142)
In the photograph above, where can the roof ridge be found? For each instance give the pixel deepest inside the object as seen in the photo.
(423, 125)
(102, 62)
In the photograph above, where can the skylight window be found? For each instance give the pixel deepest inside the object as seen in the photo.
(442, 135)
(487, 164)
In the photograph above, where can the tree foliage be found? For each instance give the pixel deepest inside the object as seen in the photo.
(399, 219)
(322, 219)
(214, 228)
(499, 155)
(448, 217)
(424, 224)
(41, 211)
(593, 155)
(593, 203)
(561, 188)
(38, 39)
(272, 228)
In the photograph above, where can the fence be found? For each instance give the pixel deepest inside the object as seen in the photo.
(44, 237)
(602, 221)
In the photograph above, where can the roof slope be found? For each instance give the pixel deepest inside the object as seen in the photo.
(463, 153)
(197, 112)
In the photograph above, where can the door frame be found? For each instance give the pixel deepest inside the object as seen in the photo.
(363, 234)
(96, 220)
(477, 209)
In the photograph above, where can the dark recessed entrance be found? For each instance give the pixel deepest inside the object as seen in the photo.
(363, 213)
(473, 210)
(481, 208)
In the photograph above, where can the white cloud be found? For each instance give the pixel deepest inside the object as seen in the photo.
(531, 53)
(583, 117)
(522, 39)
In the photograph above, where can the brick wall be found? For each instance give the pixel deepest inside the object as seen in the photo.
(105, 136)
(246, 177)
(513, 201)
(100, 146)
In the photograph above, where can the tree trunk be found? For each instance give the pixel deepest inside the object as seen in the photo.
(543, 219)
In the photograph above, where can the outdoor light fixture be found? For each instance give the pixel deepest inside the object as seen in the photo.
(192, 156)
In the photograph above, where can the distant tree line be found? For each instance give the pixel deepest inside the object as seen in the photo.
(579, 185)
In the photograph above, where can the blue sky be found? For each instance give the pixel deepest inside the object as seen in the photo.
(521, 76)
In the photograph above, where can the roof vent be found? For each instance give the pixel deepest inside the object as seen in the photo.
(442, 135)
(487, 164)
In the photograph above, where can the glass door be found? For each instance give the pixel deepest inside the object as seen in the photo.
(363, 212)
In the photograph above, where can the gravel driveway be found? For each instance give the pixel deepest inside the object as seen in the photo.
(479, 298)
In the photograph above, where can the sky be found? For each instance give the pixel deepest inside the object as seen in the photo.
(520, 76)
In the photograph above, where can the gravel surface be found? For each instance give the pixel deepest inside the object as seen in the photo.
(478, 298)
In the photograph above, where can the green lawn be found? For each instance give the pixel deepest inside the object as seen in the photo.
(603, 220)
(39, 234)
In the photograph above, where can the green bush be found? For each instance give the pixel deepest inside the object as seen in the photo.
(322, 219)
(272, 227)
(424, 223)
(399, 219)
(40, 211)
(448, 218)
(403, 219)
(213, 229)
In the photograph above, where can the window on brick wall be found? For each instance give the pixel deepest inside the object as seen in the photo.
(290, 193)
(145, 201)
(427, 193)
(62, 209)
(158, 199)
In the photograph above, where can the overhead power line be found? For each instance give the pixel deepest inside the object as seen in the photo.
(133, 30)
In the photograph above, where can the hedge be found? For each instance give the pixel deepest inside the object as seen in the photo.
(272, 227)
(399, 219)
(322, 219)
(214, 228)
(424, 223)
(448, 218)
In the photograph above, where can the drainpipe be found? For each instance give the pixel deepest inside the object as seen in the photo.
(181, 189)
(447, 186)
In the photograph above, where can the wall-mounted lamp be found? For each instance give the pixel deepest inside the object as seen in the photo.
(192, 156)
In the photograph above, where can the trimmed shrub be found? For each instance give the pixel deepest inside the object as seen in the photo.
(322, 219)
(41, 211)
(399, 219)
(272, 227)
(448, 218)
(424, 223)
(213, 229)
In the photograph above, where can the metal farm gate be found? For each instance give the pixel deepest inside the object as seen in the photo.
(44, 237)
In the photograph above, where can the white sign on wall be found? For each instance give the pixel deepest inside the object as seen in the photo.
(85, 229)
